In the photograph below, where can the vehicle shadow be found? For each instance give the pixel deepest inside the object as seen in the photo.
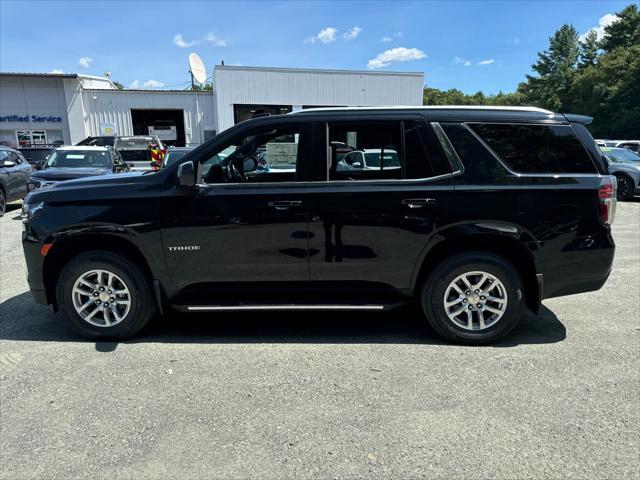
(23, 320)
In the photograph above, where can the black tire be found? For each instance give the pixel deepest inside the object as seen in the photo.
(3, 203)
(143, 304)
(625, 187)
(433, 290)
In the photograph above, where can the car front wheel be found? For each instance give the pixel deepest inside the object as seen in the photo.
(105, 296)
(473, 298)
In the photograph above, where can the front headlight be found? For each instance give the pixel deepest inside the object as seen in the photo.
(29, 210)
(32, 185)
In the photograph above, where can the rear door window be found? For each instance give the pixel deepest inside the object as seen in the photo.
(536, 148)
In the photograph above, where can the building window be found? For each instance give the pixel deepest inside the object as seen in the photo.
(245, 112)
(31, 137)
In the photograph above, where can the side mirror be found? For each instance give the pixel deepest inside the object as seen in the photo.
(186, 175)
(8, 163)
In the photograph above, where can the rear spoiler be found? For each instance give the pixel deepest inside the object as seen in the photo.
(582, 119)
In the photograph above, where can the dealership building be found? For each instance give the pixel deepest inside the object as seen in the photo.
(66, 108)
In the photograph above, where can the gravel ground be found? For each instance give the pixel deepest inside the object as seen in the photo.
(324, 396)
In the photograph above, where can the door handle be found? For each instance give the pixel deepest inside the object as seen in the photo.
(285, 204)
(418, 202)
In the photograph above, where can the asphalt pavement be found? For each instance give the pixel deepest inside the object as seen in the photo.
(324, 395)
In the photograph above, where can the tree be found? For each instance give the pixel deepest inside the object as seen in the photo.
(588, 50)
(623, 33)
(555, 67)
(118, 85)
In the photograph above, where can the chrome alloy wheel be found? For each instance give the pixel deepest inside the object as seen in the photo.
(101, 298)
(475, 300)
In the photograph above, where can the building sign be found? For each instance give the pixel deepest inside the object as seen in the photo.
(108, 129)
(32, 119)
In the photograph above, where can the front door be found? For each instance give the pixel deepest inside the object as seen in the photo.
(387, 191)
(245, 222)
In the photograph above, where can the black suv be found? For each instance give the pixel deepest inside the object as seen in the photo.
(475, 213)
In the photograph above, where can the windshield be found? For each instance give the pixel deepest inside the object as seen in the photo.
(622, 155)
(37, 155)
(79, 159)
(135, 142)
(390, 159)
(173, 156)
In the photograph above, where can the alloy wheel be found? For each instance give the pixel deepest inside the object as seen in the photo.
(475, 300)
(101, 298)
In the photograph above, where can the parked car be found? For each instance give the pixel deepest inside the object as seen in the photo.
(369, 159)
(14, 172)
(136, 150)
(625, 165)
(101, 141)
(491, 211)
(633, 145)
(175, 154)
(37, 155)
(68, 163)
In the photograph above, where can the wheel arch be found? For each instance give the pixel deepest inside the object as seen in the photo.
(514, 250)
(65, 249)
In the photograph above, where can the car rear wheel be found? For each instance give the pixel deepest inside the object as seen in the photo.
(473, 298)
(625, 187)
(105, 296)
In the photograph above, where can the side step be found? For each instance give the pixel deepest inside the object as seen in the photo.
(299, 307)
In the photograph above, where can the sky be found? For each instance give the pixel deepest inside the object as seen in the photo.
(468, 45)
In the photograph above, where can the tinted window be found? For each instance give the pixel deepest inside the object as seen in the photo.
(265, 155)
(422, 157)
(480, 165)
(364, 151)
(537, 148)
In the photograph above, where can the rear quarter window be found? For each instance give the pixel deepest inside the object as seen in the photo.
(536, 148)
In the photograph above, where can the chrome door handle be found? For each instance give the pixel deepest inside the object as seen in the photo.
(285, 204)
(418, 202)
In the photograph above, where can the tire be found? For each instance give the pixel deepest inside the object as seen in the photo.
(625, 187)
(3, 203)
(126, 277)
(503, 281)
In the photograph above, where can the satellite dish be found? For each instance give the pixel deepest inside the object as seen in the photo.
(196, 66)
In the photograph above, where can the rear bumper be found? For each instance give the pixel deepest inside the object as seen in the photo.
(582, 266)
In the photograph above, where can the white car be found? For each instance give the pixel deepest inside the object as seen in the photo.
(369, 159)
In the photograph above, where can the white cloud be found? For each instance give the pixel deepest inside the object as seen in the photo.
(135, 84)
(57, 71)
(516, 40)
(604, 22)
(399, 54)
(181, 42)
(486, 62)
(85, 62)
(460, 61)
(153, 84)
(351, 34)
(385, 39)
(398, 34)
(326, 35)
(217, 41)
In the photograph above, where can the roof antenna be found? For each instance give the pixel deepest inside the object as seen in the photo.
(222, 63)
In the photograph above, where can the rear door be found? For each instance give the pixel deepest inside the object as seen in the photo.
(370, 220)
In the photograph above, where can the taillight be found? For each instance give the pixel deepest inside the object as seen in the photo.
(607, 192)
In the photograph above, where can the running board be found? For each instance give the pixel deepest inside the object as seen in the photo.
(219, 308)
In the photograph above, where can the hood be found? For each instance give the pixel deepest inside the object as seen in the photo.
(55, 173)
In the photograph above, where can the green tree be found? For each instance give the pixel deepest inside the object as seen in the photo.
(623, 33)
(118, 85)
(589, 50)
(555, 68)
